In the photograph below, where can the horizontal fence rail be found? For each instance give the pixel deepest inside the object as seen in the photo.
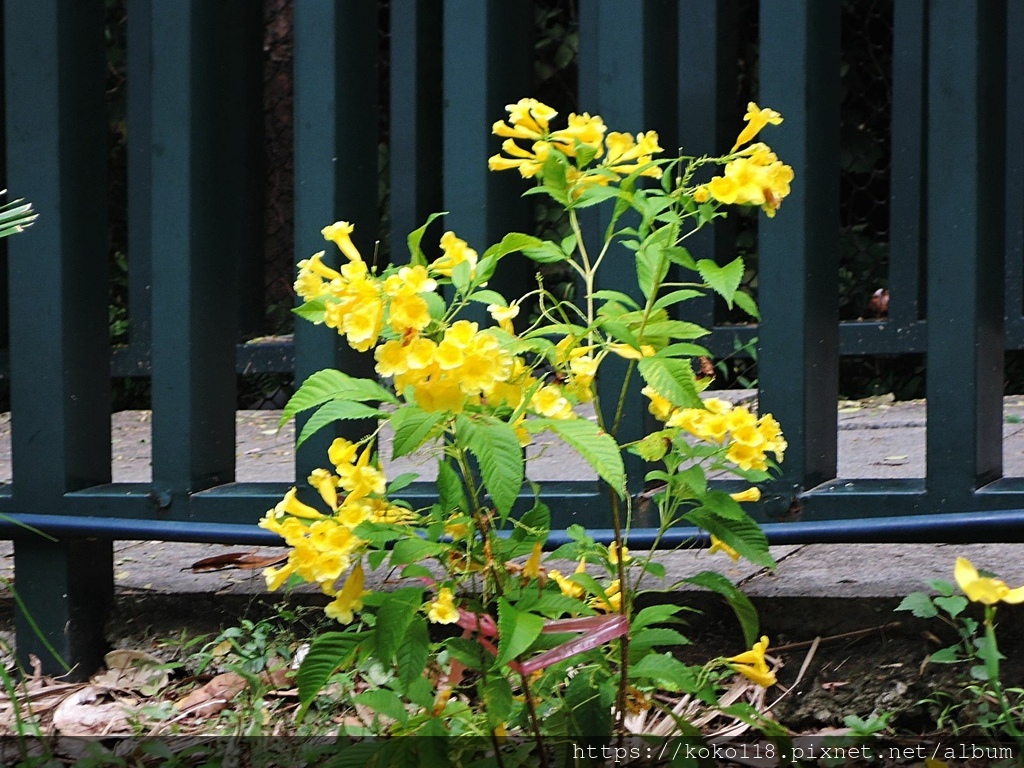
(194, 174)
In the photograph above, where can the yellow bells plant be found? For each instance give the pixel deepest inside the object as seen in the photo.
(987, 590)
(471, 389)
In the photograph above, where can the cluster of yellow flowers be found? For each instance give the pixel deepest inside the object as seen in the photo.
(756, 176)
(324, 546)
(583, 138)
(750, 438)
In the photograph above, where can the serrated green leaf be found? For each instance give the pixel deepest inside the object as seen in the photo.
(595, 445)
(745, 611)
(655, 614)
(545, 253)
(722, 280)
(496, 694)
(618, 296)
(953, 605)
(919, 604)
(948, 655)
(589, 697)
(416, 237)
(744, 535)
(517, 631)
(396, 612)
(674, 329)
(412, 425)
(451, 495)
(401, 482)
(943, 587)
(667, 672)
(495, 446)
(652, 637)
(312, 311)
(511, 243)
(327, 653)
(673, 379)
(488, 297)
(676, 297)
(534, 525)
(555, 604)
(411, 657)
(414, 550)
(653, 447)
(594, 194)
(723, 505)
(696, 480)
(384, 702)
(652, 262)
(335, 410)
(746, 302)
(330, 384)
(467, 652)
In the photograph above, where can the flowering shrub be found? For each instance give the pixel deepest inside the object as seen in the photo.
(546, 651)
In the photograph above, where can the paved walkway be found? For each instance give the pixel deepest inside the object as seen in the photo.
(877, 439)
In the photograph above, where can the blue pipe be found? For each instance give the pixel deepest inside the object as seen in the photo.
(977, 527)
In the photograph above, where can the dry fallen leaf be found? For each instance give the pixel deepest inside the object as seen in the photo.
(133, 671)
(242, 560)
(218, 693)
(85, 713)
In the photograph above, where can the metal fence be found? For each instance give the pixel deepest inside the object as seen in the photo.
(195, 183)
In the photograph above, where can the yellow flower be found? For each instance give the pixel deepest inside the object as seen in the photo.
(349, 599)
(717, 545)
(549, 402)
(751, 664)
(701, 194)
(984, 589)
(614, 601)
(531, 568)
(454, 251)
(277, 576)
(569, 588)
(629, 352)
(342, 452)
(584, 129)
(757, 119)
(340, 233)
(614, 556)
(326, 485)
(443, 610)
(504, 315)
(291, 505)
(361, 479)
(751, 494)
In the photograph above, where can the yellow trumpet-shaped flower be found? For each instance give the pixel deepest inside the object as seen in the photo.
(531, 568)
(752, 665)
(717, 545)
(757, 118)
(751, 495)
(984, 589)
(340, 233)
(350, 598)
(443, 610)
(291, 505)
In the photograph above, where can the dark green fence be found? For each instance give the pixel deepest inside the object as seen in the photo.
(194, 239)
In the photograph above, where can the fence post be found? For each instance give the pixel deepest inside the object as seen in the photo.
(798, 361)
(965, 229)
(335, 76)
(628, 76)
(60, 351)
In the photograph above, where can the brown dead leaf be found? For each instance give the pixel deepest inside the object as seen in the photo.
(133, 671)
(86, 712)
(246, 561)
(215, 696)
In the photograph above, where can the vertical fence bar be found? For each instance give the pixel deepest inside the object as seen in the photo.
(628, 76)
(1014, 177)
(487, 60)
(139, 107)
(416, 117)
(60, 389)
(799, 340)
(707, 119)
(335, 76)
(907, 175)
(966, 153)
(197, 186)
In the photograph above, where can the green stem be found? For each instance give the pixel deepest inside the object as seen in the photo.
(992, 670)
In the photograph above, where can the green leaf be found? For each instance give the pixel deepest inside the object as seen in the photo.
(416, 237)
(722, 280)
(395, 614)
(743, 535)
(488, 297)
(545, 253)
(619, 296)
(676, 297)
(554, 604)
(336, 410)
(496, 447)
(592, 443)
(949, 655)
(646, 639)
(740, 603)
(412, 425)
(414, 550)
(675, 329)
(652, 262)
(534, 525)
(589, 698)
(327, 653)
(655, 614)
(673, 379)
(496, 694)
(330, 384)
(401, 482)
(953, 605)
(594, 194)
(722, 504)
(667, 672)
(516, 631)
(511, 243)
(451, 495)
(746, 302)
(384, 702)
(467, 652)
(411, 656)
(919, 604)
(311, 311)
(652, 448)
